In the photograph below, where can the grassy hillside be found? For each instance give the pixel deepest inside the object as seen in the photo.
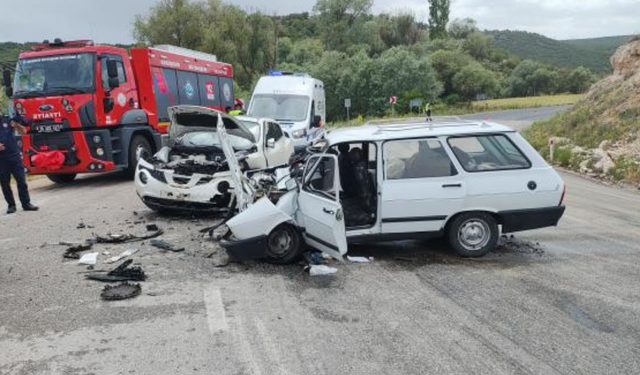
(591, 53)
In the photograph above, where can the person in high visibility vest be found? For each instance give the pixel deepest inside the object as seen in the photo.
(427, 110)
(237, 110)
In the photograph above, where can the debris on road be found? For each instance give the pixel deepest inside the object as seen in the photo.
(314, 257)
(89, 259)
(319, 270)
(122, 255)
(81, 226)
(126, 237)
(121, 291)
(359, 259)
(152, 228)
(512, 244)
(121, 273)
(74, 248)
(164, 245)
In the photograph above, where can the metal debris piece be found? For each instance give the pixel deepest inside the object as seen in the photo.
(121, 273)
(121, 291)
(164, 245)
(126, 237)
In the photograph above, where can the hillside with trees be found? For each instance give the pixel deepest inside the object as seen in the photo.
(593, 53)
(359, 55)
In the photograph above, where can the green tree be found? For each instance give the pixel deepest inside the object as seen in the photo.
(460, 28)
(531, 78)
(4, 101)
(399, 29)
(578, 80)
(340, 19)
(478, 45)
(474, 80)
(447, 64)
(176, 22)
(438, 18)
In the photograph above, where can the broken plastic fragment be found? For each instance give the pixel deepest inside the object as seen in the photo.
(359, 259)
(122, 255)
(89, 259)
(120, 291)
(317, 270)
(164, 245)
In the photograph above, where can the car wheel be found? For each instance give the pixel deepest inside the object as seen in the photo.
(62, 178)
(138, 147)
(283, 245)
(473, 235)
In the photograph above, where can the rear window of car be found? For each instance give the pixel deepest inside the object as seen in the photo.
(411, 159)
(488, 153)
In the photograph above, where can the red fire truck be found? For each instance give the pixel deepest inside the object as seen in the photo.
(95, 108)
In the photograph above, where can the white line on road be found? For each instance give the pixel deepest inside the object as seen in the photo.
(216, 317)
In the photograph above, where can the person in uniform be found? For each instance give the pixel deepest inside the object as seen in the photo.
(11, 163)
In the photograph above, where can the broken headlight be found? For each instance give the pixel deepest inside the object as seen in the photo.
(156, 174)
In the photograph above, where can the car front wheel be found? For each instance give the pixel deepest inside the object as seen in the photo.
(284, 245)
(473, 235)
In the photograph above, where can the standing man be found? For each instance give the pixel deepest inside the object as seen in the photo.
(11, 164)
(427, 110)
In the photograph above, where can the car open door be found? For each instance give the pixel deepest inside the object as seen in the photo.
(320, 207)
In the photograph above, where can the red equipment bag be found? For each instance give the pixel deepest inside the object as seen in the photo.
(48, 160)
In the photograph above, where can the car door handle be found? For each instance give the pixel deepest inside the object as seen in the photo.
(328, 211)
(452, 186)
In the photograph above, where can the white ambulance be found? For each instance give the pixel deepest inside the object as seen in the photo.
(295, 100)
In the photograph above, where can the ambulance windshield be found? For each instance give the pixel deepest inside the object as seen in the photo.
(55, 75)
(280, 107)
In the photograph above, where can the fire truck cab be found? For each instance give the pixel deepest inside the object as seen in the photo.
(96, 108)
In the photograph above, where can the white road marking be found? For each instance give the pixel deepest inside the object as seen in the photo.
(216, 317)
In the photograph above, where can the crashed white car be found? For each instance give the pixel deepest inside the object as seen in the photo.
(465, 181)
(192, 172)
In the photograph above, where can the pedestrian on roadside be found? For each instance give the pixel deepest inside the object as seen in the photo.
(11, 163)
(427, 110)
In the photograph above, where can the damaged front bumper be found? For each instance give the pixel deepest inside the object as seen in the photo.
(162, 189)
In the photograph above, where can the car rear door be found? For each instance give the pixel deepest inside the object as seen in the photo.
(320, 207)
(421, 186)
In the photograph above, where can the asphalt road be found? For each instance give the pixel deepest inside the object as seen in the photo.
(555, 301)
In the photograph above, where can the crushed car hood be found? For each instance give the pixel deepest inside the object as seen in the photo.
(186, 119)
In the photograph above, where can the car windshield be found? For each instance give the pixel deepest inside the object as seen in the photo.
(55, 75)
(210, 139)
(280, 107)
(253, 127)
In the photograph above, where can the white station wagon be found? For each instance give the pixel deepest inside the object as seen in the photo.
(465, 181)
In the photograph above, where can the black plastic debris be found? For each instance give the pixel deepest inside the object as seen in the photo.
(313, 257)
(152, 228)
(120, 291)
(164, 245)
(126, 237)
(81, 226)
(72, 251)
(121, 273)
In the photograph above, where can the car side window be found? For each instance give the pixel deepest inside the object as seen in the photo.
(488, 153)
(122, 76)
(274, 131)
(320, 176)
(421, 158)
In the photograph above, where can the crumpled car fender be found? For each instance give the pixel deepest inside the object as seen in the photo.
(259, 220)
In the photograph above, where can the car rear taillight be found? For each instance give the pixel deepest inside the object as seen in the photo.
(564, 192)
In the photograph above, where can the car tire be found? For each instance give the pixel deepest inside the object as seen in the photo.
(62, 178)
(138, 145)
(283, 245)
(473, 235)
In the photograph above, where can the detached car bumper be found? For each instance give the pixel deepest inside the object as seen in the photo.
(522, 220)
(243, 250)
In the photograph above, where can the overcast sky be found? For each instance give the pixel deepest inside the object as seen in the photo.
(110, 21)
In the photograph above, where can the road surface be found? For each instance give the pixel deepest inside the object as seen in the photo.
(555, 301)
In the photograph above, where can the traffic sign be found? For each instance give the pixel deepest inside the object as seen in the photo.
(393, 99)
(347, 103)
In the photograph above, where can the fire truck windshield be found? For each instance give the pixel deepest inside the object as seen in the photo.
(55, 75)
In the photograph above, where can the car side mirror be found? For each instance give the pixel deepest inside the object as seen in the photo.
(112, 73)
(6, 82)
(271, 143)
(317, 122)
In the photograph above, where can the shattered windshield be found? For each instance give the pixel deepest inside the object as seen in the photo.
(280, 107)
(55, 75)
(209, 139)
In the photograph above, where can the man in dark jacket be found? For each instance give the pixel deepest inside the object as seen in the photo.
(11, 164)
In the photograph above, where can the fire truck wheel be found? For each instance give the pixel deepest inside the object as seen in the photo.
(62, 178)
(139, 145)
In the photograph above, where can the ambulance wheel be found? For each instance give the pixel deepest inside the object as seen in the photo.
(62, 178)
(473, 234)
(283, 245)
(138, 147)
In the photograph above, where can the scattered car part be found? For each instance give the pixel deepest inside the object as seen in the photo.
(321, 269)
(152, 228)
(359, 259)
(122, 255)
(126, 237)
(121, 291)
(164, 245)
(121, 273)
(73, 249)
(89, 259)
